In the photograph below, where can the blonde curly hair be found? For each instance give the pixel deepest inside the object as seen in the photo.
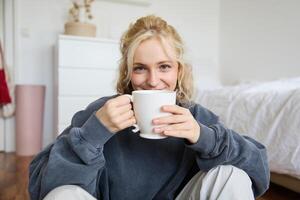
(146, 28)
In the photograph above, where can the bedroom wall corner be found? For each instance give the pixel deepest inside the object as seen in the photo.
(259, 40)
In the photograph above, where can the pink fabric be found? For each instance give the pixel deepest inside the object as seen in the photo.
(29, 118)
(4, 93)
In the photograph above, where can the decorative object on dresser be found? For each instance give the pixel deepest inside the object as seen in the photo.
(80, 17)
(86, 70)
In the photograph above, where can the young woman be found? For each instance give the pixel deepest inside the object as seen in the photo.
(98, 156)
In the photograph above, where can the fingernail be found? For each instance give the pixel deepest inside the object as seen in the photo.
(156, 130)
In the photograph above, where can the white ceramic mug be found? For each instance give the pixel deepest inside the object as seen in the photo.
(147, 106)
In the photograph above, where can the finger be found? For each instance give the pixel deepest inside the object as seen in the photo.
(175, 109)
(180, 127)
(171, 119)
(122, 100)
(176, 133)
(129, 122)
(115, 112)
(121, 110)
(125, 116)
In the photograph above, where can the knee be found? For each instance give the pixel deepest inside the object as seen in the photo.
(64, 192)
(232, 175)
(227, 182)
(232, 172)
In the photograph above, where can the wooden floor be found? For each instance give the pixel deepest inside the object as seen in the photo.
(14, 181)
(13, 177)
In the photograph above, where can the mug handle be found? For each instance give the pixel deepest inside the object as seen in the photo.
(136, 127)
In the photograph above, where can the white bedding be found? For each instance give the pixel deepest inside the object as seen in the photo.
(268, 112)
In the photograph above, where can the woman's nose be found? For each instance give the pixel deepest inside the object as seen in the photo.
(153, 79)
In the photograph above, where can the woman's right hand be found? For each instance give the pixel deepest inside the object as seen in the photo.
(116, 114)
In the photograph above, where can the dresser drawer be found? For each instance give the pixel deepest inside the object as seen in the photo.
(86, 82)
(93, 54)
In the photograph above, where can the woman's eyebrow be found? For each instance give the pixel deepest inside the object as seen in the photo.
(138, 63)
(165, 61)
(160, 62)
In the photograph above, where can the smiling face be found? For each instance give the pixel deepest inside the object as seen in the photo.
(154, 66)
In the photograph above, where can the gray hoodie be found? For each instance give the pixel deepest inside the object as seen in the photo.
(126, 166)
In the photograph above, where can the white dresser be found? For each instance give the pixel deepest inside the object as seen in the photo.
(86, 69)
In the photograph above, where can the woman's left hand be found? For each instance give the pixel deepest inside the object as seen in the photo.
(180, 124)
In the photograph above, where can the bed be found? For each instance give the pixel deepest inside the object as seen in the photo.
(268, 112)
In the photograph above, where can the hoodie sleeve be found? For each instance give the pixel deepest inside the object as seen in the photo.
(75, 158)
(218, 145)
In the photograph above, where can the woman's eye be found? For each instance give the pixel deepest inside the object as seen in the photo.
(138, 69)
(165, 67)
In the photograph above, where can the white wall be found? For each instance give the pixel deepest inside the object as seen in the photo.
(40, 21)
(259, 40)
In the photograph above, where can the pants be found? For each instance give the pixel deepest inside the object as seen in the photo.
(222, 182)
